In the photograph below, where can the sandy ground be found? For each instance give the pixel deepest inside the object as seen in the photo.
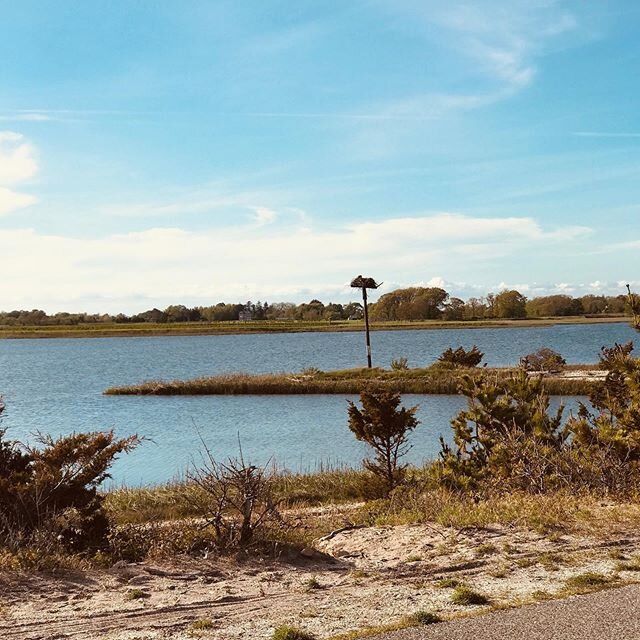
(360, 577)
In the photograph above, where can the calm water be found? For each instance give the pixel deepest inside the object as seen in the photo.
(55, 386)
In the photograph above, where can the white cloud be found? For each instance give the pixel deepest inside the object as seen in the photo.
(263, 215)
(17, 164)
(166, 265)
(11, 200)
(25, 116)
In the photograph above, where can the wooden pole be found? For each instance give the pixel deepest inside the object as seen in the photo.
(366, 326)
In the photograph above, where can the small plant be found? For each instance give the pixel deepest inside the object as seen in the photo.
(448, 583)
(285, 632)
(543, 360)
(460, 357)
(312, 584)
(384, 425)
(311, 371)
(136, 594)
(421, 618)
(485, 549)
(400, 364)
(466, 596)
(202, 625)
(588, 581)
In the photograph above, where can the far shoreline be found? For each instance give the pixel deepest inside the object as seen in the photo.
(147, 330)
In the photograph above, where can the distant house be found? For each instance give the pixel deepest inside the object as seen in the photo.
(245, 315)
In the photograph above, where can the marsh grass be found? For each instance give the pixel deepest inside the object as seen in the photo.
(436, 379)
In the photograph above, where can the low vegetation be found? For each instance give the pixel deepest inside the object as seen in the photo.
(461, 357)
(436, 379)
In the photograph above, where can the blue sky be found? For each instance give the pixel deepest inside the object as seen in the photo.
(165, 152)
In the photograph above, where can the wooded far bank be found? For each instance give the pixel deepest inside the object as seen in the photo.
(402, 305)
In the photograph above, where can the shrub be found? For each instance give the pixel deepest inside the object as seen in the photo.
(460, 357)
(614, 424)
(612, 357)
(240, 499)
(52, 489)
(505, 435)
(400, 364)
(544, 360)
(384, 426)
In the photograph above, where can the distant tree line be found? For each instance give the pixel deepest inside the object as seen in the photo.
(413, 303)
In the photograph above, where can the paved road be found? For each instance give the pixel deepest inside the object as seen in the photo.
(607, 615)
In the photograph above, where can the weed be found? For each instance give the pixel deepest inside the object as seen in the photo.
(421, 618)
(585, 582)
(485, 549)
(448, 583)
(466, 596)
(136, 594)
(203, 624)
(285, 632)
(312, 584)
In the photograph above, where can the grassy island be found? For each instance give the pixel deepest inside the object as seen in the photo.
(574, 380)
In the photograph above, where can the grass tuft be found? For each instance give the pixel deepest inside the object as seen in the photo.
(464, 595)
(285, 632)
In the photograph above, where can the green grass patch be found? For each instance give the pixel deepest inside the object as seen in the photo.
(466, 596)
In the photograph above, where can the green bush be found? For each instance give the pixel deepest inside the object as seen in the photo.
(51, 491)
(400, 364)
(460, 357)
(544, 360)
(505, 434)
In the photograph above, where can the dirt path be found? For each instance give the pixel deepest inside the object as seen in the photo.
(363, 577)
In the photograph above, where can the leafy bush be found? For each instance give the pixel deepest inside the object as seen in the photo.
(384, 426)
(544, 360)
(53, 488)
(460, 357)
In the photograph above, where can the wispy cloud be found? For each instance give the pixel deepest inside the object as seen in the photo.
(25, 116)
(17, 164)
(606, 134)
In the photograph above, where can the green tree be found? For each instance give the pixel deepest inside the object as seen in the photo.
(507, 424)
(384, 425)
(614, 422)
(413, 303)
(510, 304)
